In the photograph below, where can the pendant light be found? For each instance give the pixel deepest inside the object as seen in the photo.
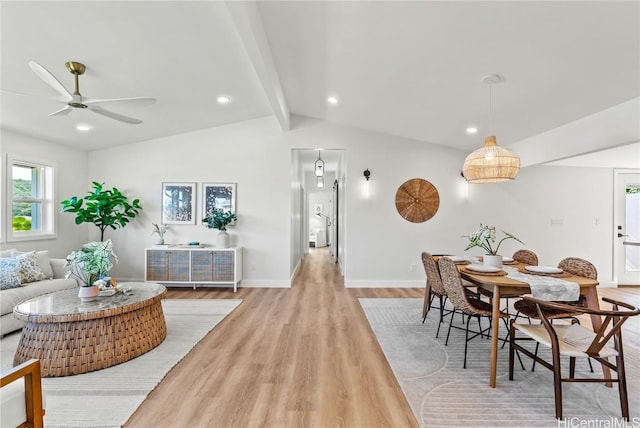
(491, 163)
(319, 166)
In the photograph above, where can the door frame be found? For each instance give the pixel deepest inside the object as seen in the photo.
(618, 219)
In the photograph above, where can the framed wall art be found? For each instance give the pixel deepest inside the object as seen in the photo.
(179, 203)
(218, 195)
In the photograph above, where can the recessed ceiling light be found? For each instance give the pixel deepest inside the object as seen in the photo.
(472, 130)
(332, 100)
(83, 127)
(223, 99)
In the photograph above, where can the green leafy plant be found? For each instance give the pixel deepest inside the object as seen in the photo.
(21, 223)
(219, 219)
(485, 238)
(104, 208)
(91, 262)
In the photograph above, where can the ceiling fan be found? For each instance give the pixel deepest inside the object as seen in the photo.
(77, 101)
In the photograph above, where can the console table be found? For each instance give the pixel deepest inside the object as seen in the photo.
(208, 266)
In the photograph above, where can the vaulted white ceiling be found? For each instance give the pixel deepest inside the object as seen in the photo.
(410, 69)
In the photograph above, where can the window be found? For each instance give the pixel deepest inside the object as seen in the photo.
(30, 196)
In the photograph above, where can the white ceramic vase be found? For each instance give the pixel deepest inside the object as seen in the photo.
(160, 240)
(88, 294)
(491, 260)
(223, 240)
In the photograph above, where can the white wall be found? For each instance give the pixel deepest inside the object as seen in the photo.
(71, 180)
(380, 248)
(250, 154)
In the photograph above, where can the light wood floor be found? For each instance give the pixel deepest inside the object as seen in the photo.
(304, 356)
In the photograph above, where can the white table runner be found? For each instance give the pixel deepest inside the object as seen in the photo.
(546, 287)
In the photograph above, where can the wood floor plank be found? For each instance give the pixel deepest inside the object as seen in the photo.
(304, 356)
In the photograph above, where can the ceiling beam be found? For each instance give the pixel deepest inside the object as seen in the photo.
(614, 127)
(248, 23)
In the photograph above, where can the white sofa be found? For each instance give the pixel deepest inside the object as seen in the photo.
(13, 296)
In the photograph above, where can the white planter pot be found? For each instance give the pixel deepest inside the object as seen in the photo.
(88, 294)
(223, 240)
(490, 260)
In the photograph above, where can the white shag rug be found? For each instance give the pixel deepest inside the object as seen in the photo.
(108, 397)
(442, 393)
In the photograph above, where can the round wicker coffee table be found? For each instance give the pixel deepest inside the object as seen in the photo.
(72, 337)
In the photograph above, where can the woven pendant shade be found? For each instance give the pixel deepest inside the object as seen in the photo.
(491, 164)
(417, 200)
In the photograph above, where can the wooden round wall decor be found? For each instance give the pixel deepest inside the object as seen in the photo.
(417, 200)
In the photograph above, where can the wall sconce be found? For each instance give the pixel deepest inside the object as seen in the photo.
(319, 167)
(320, 182)
(367, 176)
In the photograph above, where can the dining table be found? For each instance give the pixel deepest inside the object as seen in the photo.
(504, 285)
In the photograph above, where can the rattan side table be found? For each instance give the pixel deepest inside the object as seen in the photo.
(72, 337)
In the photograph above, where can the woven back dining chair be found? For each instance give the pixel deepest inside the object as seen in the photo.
(527, 257)
(574, 341)
(433, 289)
(464, 302)
(578, 266)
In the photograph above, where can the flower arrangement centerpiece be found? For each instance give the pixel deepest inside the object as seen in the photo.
(220, 219)
(91, 262)
(159, 230)
(485, 238)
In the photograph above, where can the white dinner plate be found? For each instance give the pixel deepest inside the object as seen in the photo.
(507, 259)
(457, 258)
(483, 268)
(543, 269)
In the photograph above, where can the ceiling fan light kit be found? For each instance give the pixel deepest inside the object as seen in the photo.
(77, 101)
(491, 163)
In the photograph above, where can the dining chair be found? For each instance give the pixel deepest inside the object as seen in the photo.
(575, 341)
(575, 266)
(465, 303)
(434, 288)
(527, 257)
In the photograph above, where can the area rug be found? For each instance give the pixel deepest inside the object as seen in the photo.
(107, 398)
(442, 393)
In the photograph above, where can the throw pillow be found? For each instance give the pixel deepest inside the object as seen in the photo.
(43, 262)
(29, 270)
(9, 273)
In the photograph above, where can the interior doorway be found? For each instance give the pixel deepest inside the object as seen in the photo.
(627, 227)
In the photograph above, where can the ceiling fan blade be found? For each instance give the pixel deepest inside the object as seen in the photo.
(136, 101)
(62, 112)
(22, 94)
(113, 115)
(49, 79)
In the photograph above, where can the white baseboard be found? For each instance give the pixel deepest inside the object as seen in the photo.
(372, 283)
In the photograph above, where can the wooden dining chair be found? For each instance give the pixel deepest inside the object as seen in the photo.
(433, 289)
(575, 341)
(464, 302)
(575, 266)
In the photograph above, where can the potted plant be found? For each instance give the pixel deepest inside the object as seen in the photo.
(220, 219)
(102, 207)
(485, 238)
(89, 264)
(159, 230)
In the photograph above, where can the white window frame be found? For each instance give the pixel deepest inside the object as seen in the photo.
(47, 198)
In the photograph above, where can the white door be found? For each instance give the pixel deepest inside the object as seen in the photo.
(627, 226)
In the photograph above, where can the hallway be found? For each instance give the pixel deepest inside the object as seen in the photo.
(295, 357)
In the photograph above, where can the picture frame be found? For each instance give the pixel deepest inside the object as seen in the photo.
(218, 195)
(178, 203)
